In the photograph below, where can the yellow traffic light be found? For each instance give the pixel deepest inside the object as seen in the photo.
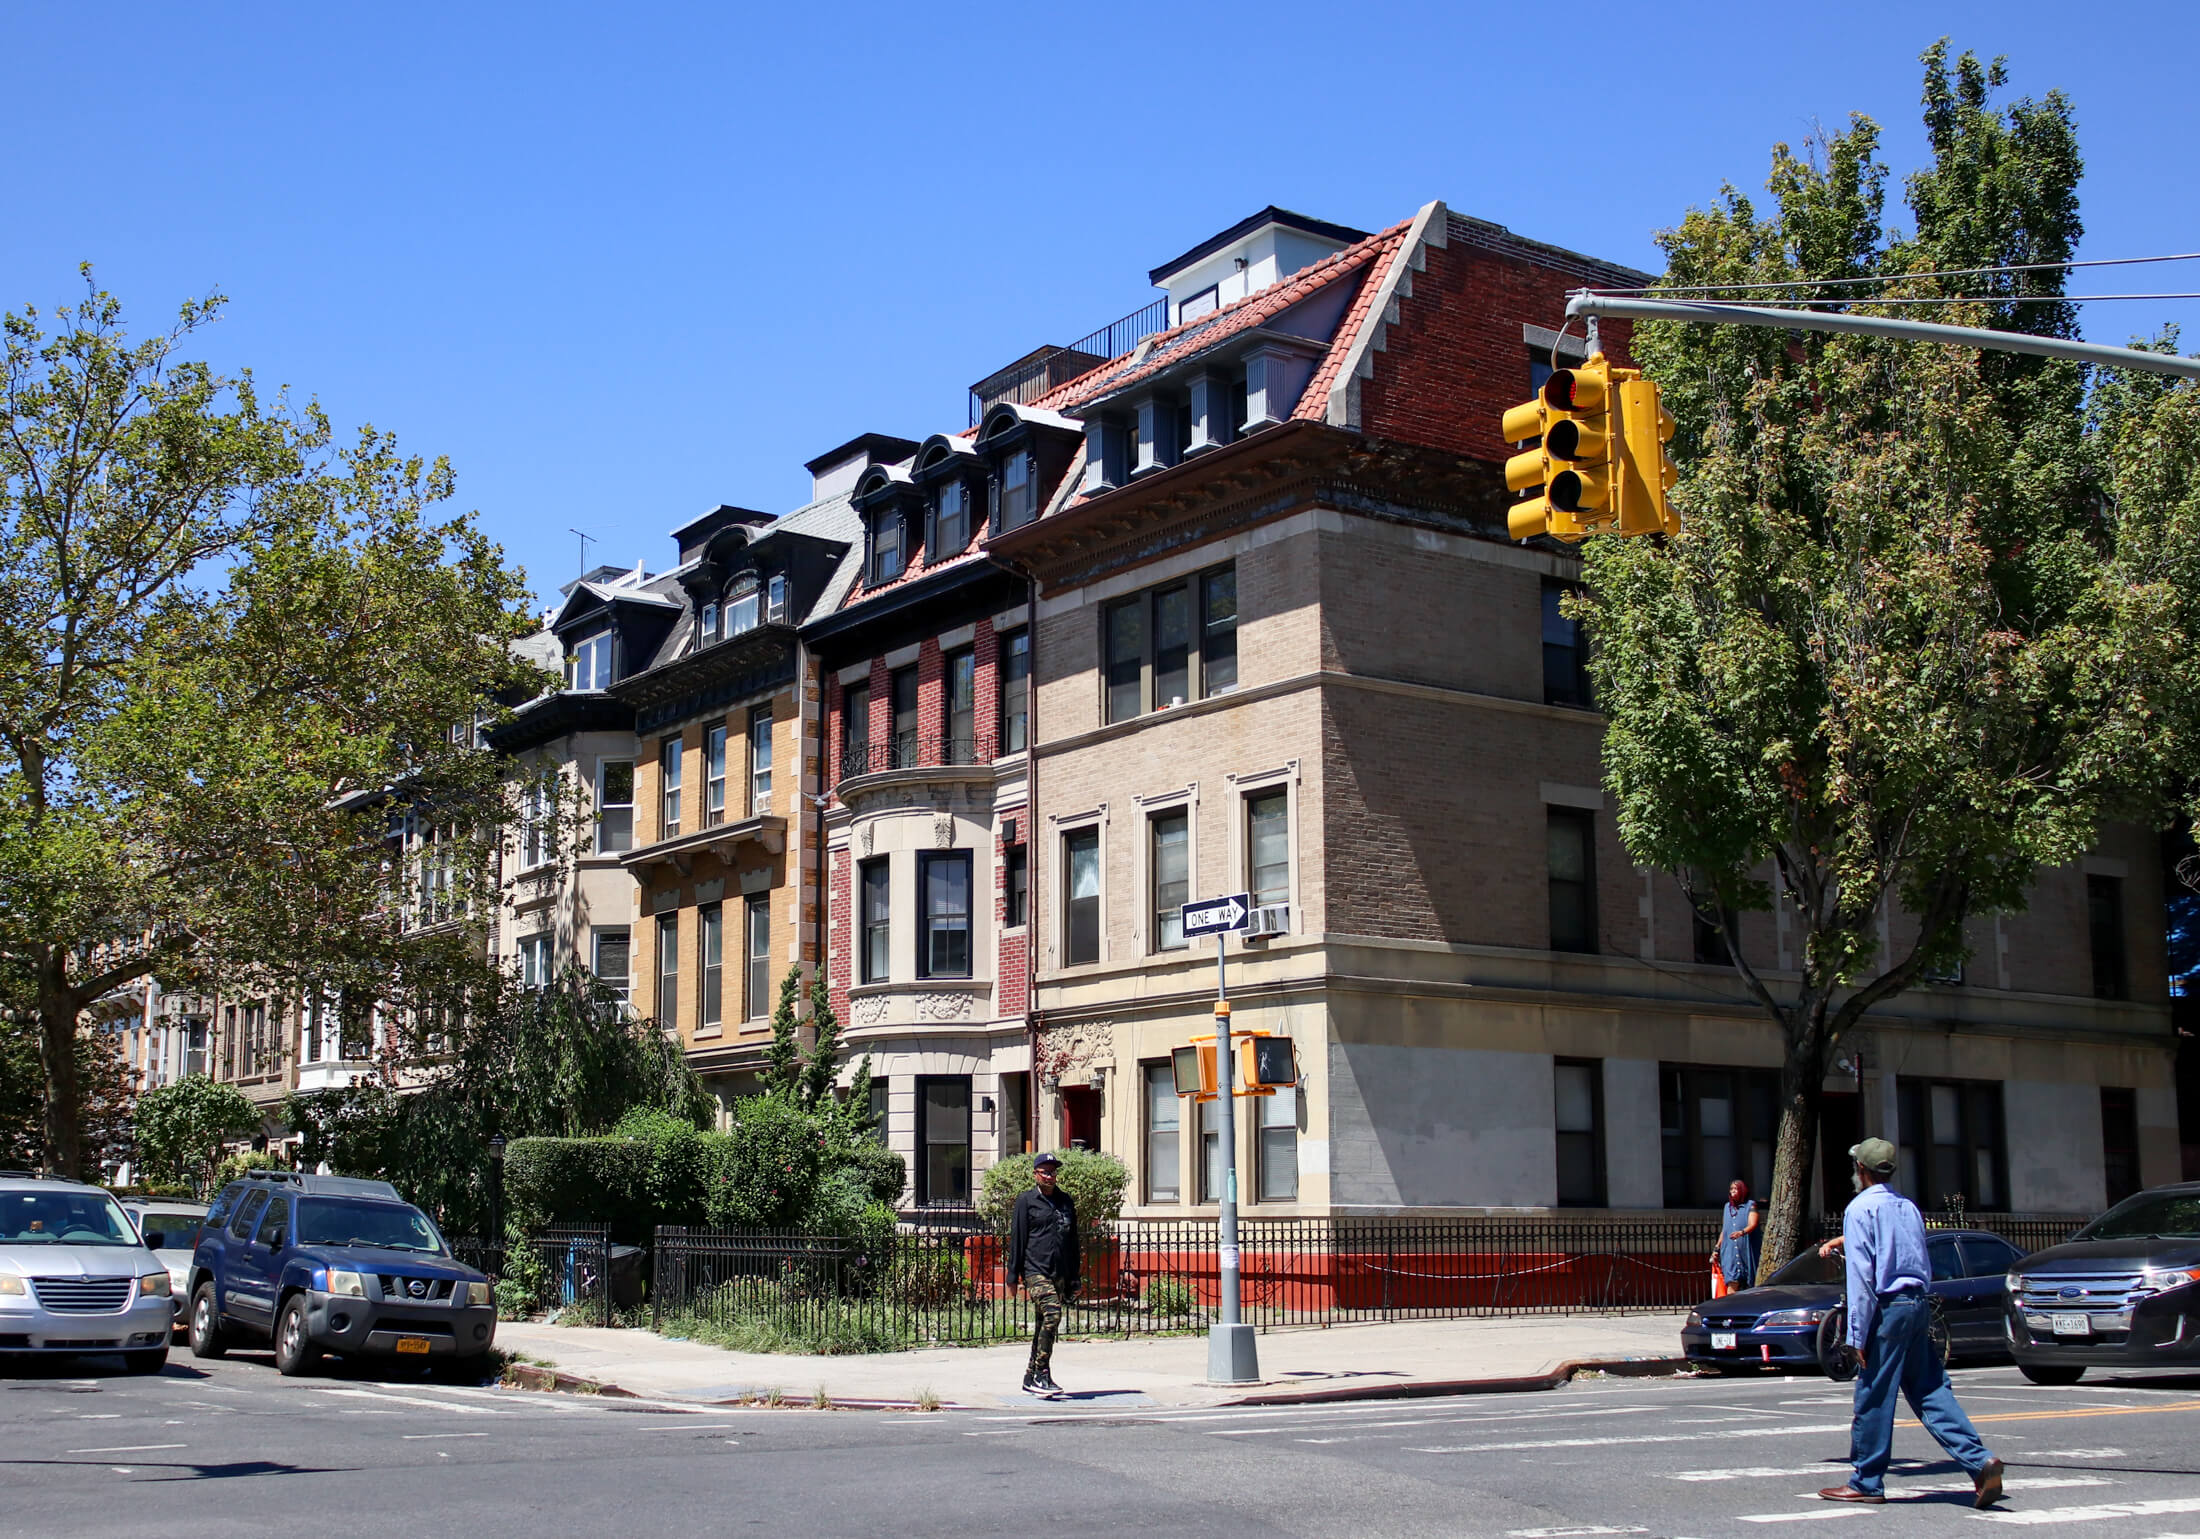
(1647, 472)
(1573, 463)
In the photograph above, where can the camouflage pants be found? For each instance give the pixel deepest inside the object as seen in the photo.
(1046, 1303)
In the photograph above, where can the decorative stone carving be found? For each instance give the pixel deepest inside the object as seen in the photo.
(943, 1006)
(1079, 1045)
(943, 829)
(864, 836)
(868, 1012)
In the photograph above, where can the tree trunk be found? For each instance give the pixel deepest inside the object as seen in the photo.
(57, 1018)
(1795, 1149)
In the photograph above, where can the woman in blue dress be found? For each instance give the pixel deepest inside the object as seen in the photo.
(1739, 1238)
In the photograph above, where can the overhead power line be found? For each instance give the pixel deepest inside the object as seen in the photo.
(1947, 272)
(1958, 299)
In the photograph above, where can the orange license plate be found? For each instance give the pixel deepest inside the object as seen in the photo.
(412, 1343)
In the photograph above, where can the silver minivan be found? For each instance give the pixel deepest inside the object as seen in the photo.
(75, 1277)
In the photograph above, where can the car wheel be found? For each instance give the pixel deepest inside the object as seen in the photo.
(208, 1339)
(295, 1353)
(2051, 1373)
(1836, 1358)
(146, 1362)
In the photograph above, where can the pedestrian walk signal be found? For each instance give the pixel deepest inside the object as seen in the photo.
(1265, 1064)
(1194, 1068)
(1269, 1063)
(1598, 456)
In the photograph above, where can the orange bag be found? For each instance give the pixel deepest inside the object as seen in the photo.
(1719, 1289)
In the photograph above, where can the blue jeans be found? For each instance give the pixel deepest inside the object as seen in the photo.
(1899, 1356)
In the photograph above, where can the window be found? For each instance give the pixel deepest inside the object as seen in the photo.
(534, 961)
(1268, 846)
(1193, 306)
(1277, 1153)
(612, 963)
(1171, 862)
(1951, 1137)
(943, 934)
(760, 761)
(1126, 632)
(2104, 915)
(886, 558)
(950, 520)
(1019, 492)
(313, 1019)
(1017, 907)
(1711, 948)
(534, 825)
(706, 629)
(757, 920)
(905, 718)
(714, 777)
(881, 1100)
(1210, 1151)
(878, 910)
(1565, 679)
(855, 729)
(1015, 689)
(248, 1216)
(668, 971)
(668, 814)
(1718, 1124)
(959, 707)
(711, 943)
(1081, 896)
(1158, 644)
(1164, 1152)
(1218, 611)
(943, 1165)
(2120, 1142)
(589, 666)
(1013, 1131)
(741, 609)
(1578, 1096)
(1572, 854)
(194, 1058)
(614, 806)
(229, 1042)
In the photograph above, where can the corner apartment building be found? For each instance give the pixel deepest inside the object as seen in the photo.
(1282, 645)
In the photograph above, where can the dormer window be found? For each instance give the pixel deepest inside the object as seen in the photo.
(950, 520)
(706, 629)
(1019, 492)
(741, 606)
(886, 553)
(775, 601)
(589, 664)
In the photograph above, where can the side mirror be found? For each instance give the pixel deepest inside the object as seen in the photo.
(152, 1239)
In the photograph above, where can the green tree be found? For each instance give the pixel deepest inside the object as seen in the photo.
(181, 1127)
(1916, 643)
(222, 640)
(783, 1059)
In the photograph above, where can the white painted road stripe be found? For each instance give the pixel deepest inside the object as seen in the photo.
(1426, 1421)
(2051, 1483)
(2099, 1513)
(424, 1437)
(133, 1448)
(433, 1405)
(1587, 1531)
(1628, 1442)
(1808, 1517)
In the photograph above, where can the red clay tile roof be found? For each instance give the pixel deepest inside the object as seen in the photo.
(1194, 337)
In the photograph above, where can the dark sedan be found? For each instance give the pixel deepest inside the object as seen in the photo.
(1797, 1318)
(2123, 1292)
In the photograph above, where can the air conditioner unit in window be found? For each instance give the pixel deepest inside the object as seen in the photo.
(1269, 919)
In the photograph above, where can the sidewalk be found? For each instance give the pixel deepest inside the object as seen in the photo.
(1341, 1361)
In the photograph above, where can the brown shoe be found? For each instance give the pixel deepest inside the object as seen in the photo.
(1987, 1483)
(1851, 1494)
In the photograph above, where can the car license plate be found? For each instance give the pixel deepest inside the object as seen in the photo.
(2073, 1325)
(412, 1343)
(1722, 1341)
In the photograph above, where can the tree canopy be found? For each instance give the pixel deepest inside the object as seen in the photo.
(1929, 627)
(235, 656)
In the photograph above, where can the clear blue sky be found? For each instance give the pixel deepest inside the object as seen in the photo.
(624, 263)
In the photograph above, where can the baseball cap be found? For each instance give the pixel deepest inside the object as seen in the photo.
(1874, 1154)
(1049, 1158)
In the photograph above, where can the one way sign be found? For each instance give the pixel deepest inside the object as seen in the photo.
(1217, 915)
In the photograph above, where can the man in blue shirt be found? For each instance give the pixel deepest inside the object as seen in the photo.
(1884, 1235)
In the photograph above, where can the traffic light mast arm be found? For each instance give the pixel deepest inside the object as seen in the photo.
(1881, 326)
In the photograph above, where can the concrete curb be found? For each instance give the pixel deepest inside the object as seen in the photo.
(528, 1376)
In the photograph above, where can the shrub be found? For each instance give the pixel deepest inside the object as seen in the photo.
(582, 1181)
(1168, 1294)
(883, 1172)
(1096, 1182)
(237, 1164)
(677, 1180)
(180, 1127)
(768, 1172)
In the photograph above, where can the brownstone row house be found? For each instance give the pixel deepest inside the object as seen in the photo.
(1219, 600)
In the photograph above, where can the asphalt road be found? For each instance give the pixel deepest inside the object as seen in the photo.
(228, 1448)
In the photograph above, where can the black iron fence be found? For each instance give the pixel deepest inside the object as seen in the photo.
(565, 1267)
(912, 750)
(1049, 368)
(947, 1285)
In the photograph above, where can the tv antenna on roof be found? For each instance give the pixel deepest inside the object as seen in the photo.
(585, 538)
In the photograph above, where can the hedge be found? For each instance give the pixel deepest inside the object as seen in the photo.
(580, 1181)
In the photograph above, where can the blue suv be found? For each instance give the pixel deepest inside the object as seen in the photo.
(328, 1263)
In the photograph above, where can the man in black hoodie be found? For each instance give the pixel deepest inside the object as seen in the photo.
(1043, 1254)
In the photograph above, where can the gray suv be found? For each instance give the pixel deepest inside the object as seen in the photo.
(75, 1277)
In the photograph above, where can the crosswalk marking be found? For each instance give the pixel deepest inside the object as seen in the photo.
(1726, 1436)
(2098, 1512)
(1806, 1517)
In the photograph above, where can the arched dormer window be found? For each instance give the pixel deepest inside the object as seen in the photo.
(741, 605)
(947, 477)
(1027, 451)
(886, 497)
